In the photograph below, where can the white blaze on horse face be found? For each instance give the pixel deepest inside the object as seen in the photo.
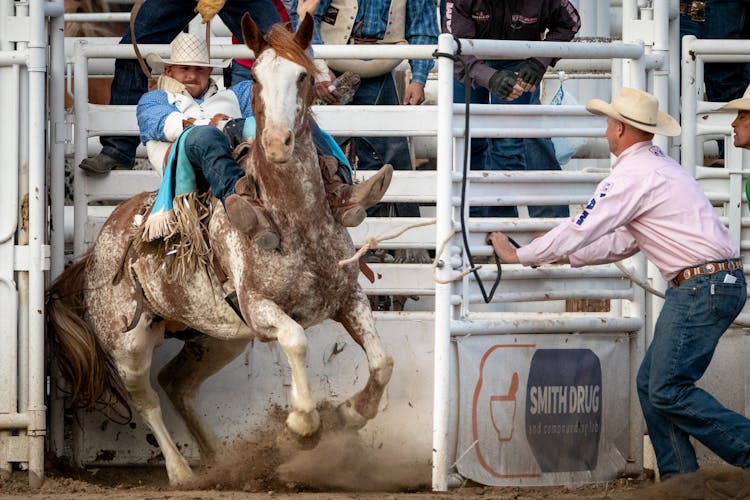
(281, 103)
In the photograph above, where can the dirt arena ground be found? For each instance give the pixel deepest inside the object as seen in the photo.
(336, 466)
(151, 484)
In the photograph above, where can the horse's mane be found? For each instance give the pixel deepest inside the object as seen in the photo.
(282, 41)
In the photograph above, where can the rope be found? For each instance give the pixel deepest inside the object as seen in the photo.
(373, 242)
(436, 260)
(133, 15)
(638, 282)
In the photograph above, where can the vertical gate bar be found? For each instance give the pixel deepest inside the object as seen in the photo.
(444, 209)
(57, 202)
(9, 88)
(37, 239)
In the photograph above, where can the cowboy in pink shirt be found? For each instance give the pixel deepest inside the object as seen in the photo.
(650, 204)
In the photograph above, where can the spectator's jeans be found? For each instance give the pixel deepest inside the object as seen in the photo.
(536, 153)
(726, 19)
(693, 318)
(373, 152)
(159, 21)
(239, 73)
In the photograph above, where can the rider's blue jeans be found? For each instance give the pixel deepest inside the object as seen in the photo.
(159, 21)
(693, 318)
(506, 153)
(209, 152)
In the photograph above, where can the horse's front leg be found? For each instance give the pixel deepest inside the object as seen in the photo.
(358, 321)
(270, 322)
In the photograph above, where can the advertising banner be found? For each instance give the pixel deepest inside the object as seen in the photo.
(543, 409)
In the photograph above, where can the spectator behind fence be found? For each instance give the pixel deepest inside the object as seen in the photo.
(741, 126)
(649, 203)
(509, 81)
(375, 22)
(726, 81)
(692, 18)
(159, 22)
(240, 68)
(188, 101)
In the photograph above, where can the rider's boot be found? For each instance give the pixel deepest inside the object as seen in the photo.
(349, 202)
(245, 211)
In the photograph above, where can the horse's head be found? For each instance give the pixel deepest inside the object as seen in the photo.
(282, 88)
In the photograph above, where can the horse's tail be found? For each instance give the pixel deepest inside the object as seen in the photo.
(93, 377)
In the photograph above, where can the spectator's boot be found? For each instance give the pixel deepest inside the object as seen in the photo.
(246, 213)
(349, 202)
(100, 164)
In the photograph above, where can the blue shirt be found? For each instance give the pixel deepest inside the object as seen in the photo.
(420, 27)
(154, 107)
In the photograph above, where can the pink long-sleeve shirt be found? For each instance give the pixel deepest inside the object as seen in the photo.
(648, 203)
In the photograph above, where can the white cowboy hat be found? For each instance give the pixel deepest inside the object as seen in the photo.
(185, 50)
(743, 103)
(638, 109)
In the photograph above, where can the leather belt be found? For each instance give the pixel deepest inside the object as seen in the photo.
(706, 269)
(696, 10)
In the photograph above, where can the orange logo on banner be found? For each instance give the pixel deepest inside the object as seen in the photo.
(502, 405)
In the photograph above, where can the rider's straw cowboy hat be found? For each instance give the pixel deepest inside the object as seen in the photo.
(741, 104)
(638, 109)
(186, 50)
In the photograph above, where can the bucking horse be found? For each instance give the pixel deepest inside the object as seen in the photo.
(109, 310)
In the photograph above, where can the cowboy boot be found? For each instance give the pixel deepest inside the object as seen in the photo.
(246, 213)
(349, 202)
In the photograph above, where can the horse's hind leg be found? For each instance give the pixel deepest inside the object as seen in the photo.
(182, 377)
(133, 360)
(358, 321)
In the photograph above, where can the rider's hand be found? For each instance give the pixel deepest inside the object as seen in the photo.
(219, 120)
(502, 83)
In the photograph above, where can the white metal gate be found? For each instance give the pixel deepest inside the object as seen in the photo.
(30, 54)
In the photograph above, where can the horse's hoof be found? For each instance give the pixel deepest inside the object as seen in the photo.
(183, 478)
(303, 424)
(350, 417)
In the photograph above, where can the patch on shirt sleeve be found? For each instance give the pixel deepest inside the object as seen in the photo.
(656, 151)
(603, 188)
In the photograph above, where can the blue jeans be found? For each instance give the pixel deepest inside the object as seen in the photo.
(694, 317)
(239, 73)
(726, 19)
(537, 153)
(373, 152)
(159, 21)
(209, 151)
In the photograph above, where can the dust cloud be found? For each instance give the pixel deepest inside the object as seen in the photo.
(336, 459)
